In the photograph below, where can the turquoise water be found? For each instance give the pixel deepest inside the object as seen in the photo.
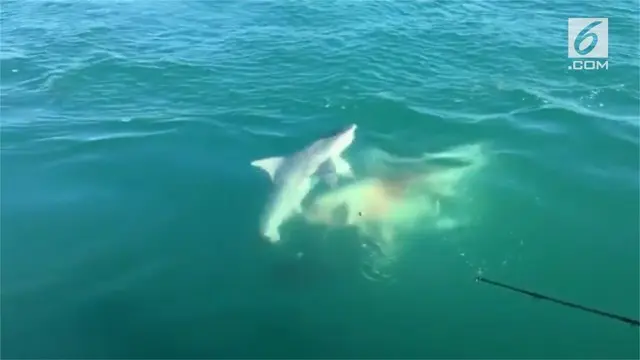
(130, 211)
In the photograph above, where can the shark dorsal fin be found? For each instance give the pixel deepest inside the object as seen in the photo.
(269, 165)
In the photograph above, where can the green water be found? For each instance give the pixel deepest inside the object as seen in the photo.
(129, 224)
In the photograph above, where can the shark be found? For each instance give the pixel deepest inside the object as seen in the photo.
(383, 202)
(295, 175)
(374, 205)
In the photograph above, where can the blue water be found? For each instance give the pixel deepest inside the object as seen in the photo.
(129, 218)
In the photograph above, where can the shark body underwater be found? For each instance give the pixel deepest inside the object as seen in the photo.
(294, 176)
(380, 205)
(371, 204)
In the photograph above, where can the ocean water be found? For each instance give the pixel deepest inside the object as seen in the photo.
(130, 211)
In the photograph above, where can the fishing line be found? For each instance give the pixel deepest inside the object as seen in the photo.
(536, 295)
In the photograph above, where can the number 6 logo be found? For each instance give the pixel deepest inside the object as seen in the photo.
(588, 38)
(584, 35)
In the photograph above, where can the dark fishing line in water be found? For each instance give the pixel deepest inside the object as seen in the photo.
(536, 295)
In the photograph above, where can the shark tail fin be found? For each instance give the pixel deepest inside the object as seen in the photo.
(273, 235)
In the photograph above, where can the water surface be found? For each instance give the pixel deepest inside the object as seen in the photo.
(130, 211)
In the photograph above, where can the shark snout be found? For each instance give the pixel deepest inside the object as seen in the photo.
(346, 136)
(350, 130)
(347, 131)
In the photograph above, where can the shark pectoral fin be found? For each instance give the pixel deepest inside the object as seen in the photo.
(269, 165)
(341, 166)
